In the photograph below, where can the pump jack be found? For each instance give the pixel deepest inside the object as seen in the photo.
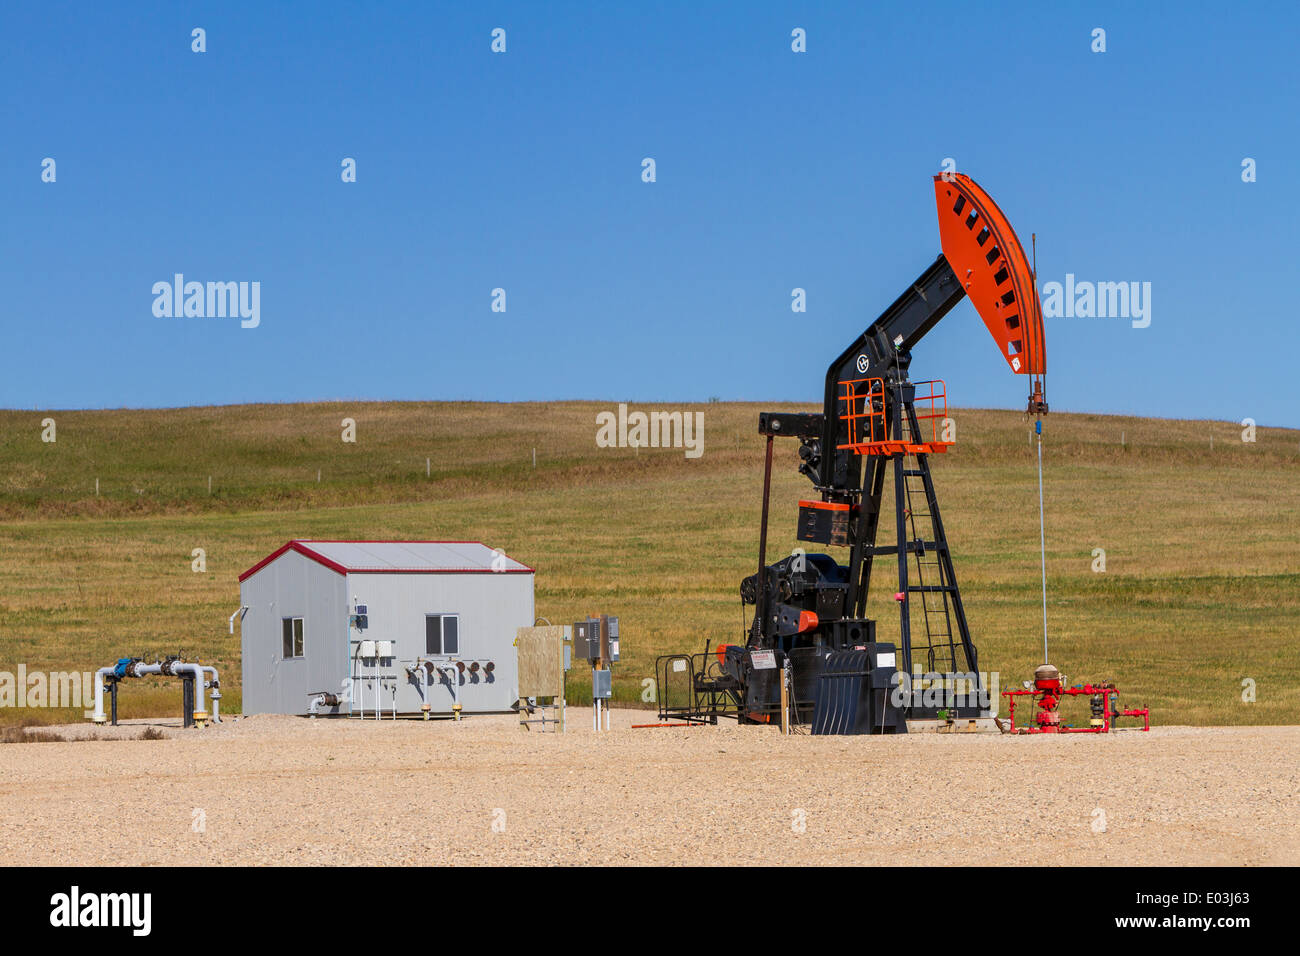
(809, 610)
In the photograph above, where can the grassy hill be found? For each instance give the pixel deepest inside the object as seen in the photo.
(1201, 532)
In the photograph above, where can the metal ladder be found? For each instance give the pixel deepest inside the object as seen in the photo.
(943, 650)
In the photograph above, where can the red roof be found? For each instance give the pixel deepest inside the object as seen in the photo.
(399, 557)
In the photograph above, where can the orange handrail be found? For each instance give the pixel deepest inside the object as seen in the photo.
(869, 405)
(863, 412)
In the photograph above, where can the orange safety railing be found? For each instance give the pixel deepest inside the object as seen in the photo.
(863, 411)
(864, 404)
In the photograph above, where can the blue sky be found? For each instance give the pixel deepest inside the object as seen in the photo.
(522, 171)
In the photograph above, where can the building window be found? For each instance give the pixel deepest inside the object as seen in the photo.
(442, 634)
(291, 632)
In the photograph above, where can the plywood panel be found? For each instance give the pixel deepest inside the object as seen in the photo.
(541, 661)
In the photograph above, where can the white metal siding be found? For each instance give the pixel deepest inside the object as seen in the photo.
(292, 586)
(490, 606)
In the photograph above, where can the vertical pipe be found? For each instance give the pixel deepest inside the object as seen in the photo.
(100, 676)
(1042, 531)
(761, 602)
(215, 696)
(785, 698)
(198, 706)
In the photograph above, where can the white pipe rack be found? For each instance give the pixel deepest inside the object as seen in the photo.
(173, 668)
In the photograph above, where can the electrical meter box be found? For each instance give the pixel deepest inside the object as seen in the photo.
(582, 641)
(602, 685)
(587, 640)
(367, 650)
(383, 648)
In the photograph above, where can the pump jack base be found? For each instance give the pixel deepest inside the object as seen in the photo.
(959, 725)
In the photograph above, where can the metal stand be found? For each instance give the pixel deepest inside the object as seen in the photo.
(941, 643)
(701, 694)
(550, 716)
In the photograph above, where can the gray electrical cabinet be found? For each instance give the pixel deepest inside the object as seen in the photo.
(613, 639)
(582, 644)
(591, 645)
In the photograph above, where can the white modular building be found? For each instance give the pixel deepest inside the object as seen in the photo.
(364, 627)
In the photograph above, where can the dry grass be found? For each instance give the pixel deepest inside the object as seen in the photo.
(27, 733)
(1200, 591)
(30, 733)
